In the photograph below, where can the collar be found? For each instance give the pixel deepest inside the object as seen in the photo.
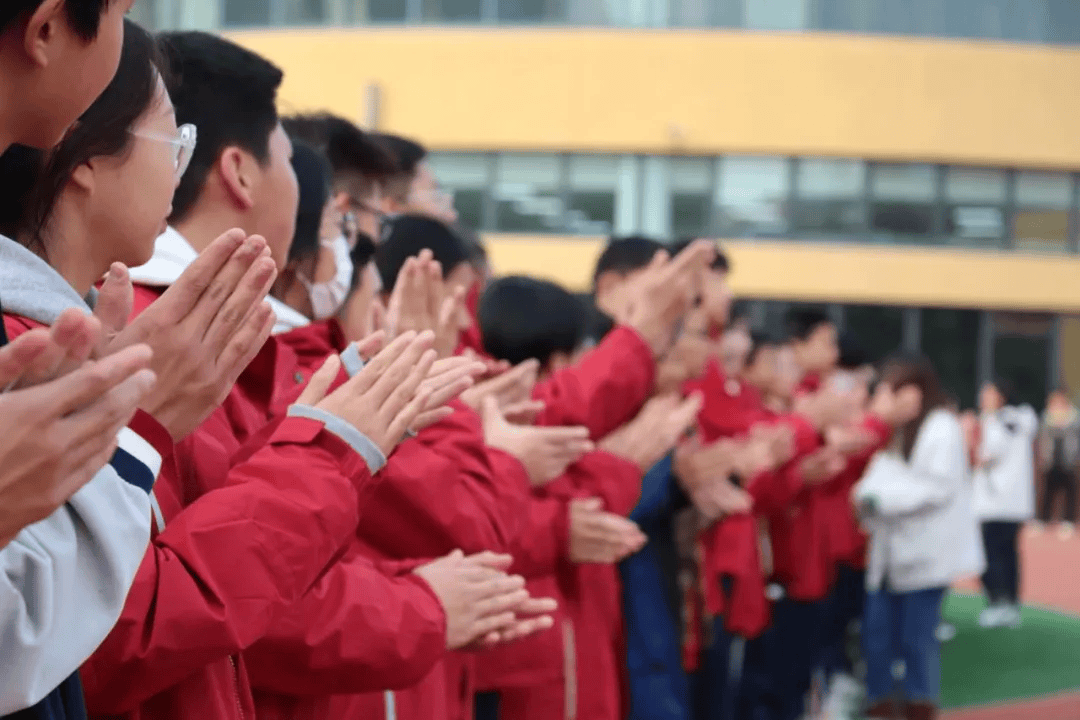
(172, 255)
(287, 317)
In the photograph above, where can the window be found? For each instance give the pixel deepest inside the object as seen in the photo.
(304, 12)
(531, 11)
(1041, 222)
(950, 339)
(974, 212)
(1022, 346)
(381, 11)
(246, 12)
(902, 203)
(752, 193)
(690, 183)
(468, 177)
(452, 11)
(527, 193)
(776, 14)
(878, 328)
(829, 198)
(594, 181)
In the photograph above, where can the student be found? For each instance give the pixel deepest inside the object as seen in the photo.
(813, 338)
(1059, 453)
(1004, 495)
(360, 166)
(914, 502)
(88, 551)
(414, 189)
(189, 596)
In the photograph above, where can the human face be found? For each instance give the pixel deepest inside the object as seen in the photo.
(763, 372)
(462, 276)
(613, 291)
(820, 352)
(990, 399)
(69, 72)
(275, 198)
(133, 192)
(716, 297)
(427, 197)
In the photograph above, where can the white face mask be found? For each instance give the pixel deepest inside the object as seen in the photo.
(328, 297)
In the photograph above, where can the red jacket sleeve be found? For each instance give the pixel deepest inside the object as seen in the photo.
(542, 544)
(222, 569)
(613, 479)
(603, 391)
(446, 490)
(358, 630)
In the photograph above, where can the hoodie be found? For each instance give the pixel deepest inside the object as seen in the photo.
(63, 580)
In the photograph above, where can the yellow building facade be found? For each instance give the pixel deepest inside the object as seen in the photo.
(894, 179)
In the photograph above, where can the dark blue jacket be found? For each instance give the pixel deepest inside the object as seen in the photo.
(64, 703)
(659, 687)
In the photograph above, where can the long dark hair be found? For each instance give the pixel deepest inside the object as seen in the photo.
(31, 181)
(901, 371)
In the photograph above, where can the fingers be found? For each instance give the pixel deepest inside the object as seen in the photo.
(320, 382)
(587, 504)
(95, 379)
(238, 306)
(194, 282)
(18, 356)
(115, 299)
(372, 344)
(524, 628)
(401, 383)
(69, 338)
(245, 343)
(430, 417)
(215, 299)
(113, 410)
(696, 255)
(391, 365)
(524, 412)
(497, 561)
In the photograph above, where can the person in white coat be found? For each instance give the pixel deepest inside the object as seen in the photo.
(1004, 495)
(915, 502)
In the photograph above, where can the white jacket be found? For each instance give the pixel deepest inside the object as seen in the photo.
(1005, 482)
(923, 532)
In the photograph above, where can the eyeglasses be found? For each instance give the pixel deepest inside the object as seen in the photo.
(183, 144)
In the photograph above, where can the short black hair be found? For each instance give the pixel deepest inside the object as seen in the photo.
(32, 181)
(853, 354)
(407, 155)
(348, 148)
(759, 340)
(1007, 388)
(84, 15)
(523, 318)
(720, 261)
(406, 235)
(624, 255)
(801, 323)
(229, 93)
(313, 175)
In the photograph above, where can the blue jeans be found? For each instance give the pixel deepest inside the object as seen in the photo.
(901, 626)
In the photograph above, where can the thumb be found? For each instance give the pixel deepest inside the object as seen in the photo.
(115, 300)
(589, 504)
(491, 411)
(320, 382)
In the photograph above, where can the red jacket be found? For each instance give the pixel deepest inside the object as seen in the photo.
(583, 660)
(193, 606)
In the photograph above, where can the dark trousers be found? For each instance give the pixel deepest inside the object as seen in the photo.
(1002, 576)
(1059, 481)
(843, 608)
(777, 666)
(486, 706)
(714, 685)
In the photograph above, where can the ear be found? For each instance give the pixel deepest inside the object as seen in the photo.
(237, 172)
(42, 31)
(84, 177)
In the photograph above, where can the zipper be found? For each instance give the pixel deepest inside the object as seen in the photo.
(569, 670)
(236, 687)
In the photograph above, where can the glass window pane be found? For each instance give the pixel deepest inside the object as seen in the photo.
(878, 328)
(1022, 346)
(451, 11)
(304, 12)
(753, 196)
(1063, 21)
(1043, 211)
(974, 212)
(246, 12)
(776, 14)
(593, 181)
(527, 193)
(467, 176)
(690, 184)
(380, 11)
(145, 14)
(950, 339)
(828, 198)
(902, 203)
(531, 11)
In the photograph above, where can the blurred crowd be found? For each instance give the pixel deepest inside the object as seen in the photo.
(277, 444)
